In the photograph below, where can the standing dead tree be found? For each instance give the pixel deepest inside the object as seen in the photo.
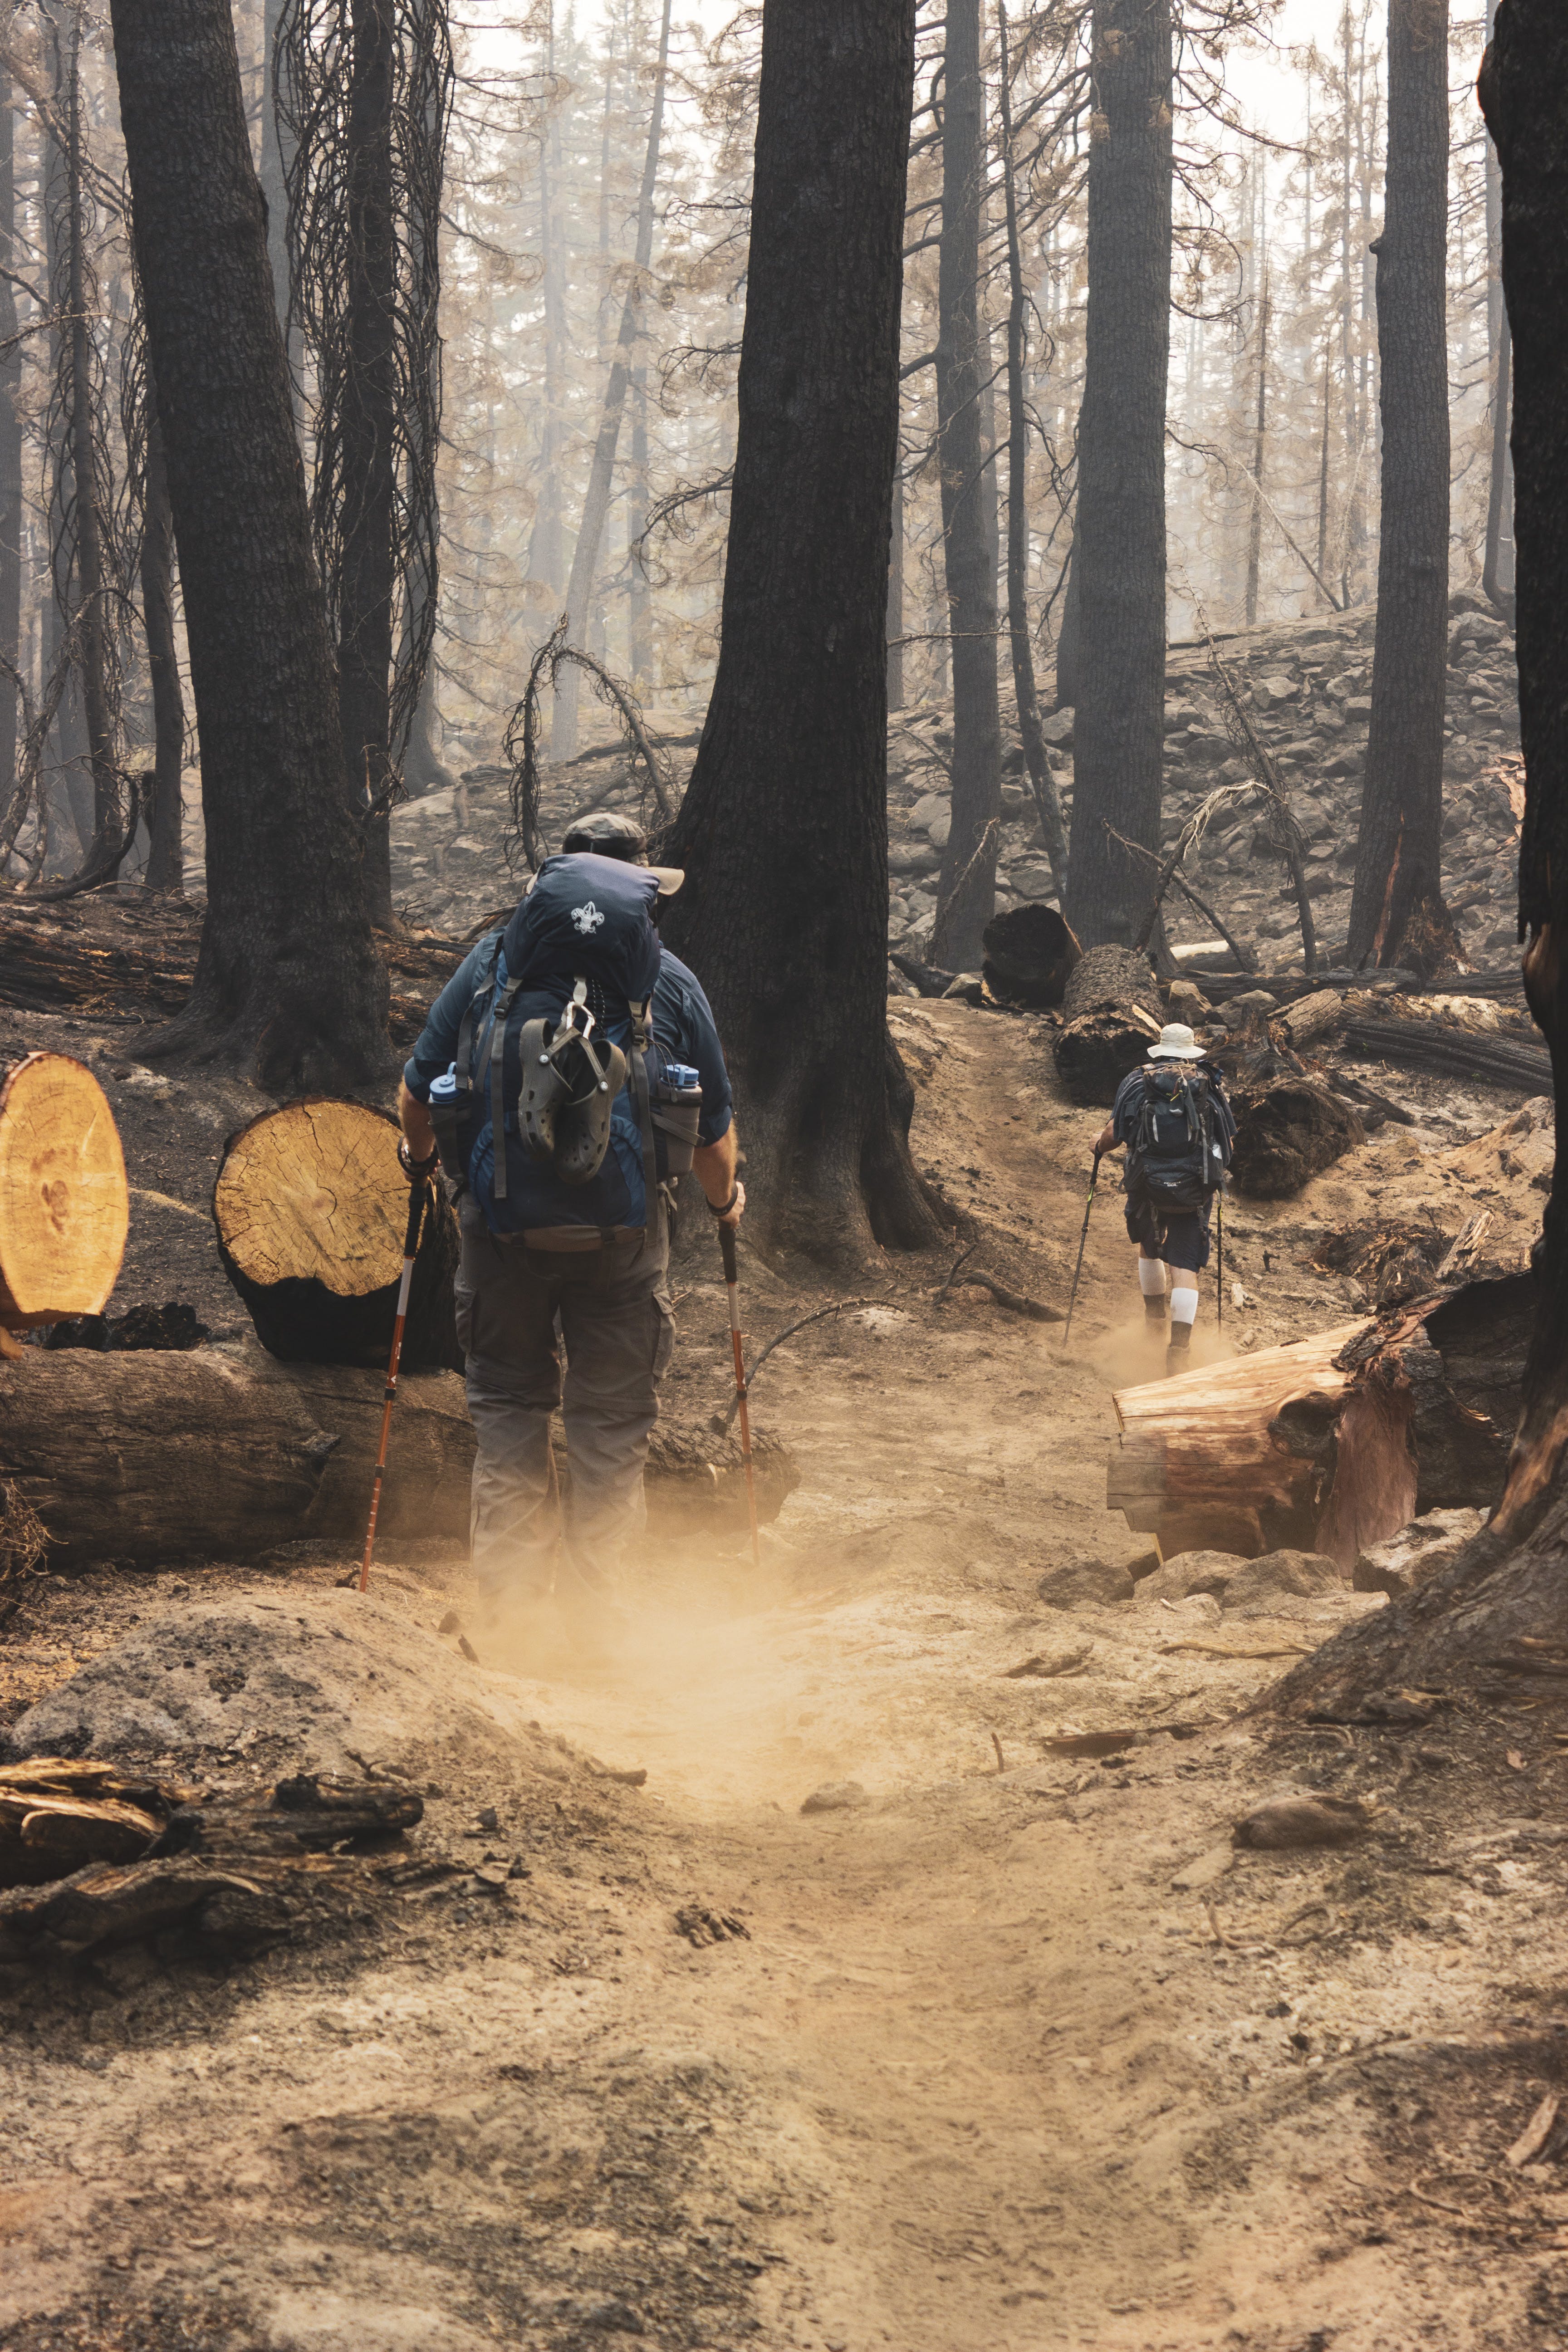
(363, 95)
(600, 474)
(87, 568)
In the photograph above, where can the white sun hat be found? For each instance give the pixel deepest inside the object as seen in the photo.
(1177, 1043)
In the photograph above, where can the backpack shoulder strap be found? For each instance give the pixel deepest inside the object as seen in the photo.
(484, 983)
(642, 1045)
(500, 1011)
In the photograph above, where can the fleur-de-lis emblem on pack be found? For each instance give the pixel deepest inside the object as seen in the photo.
(587, 918)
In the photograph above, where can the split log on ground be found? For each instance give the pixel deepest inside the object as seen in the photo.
(1334, 1443)
(311, 1210)
(1287, 1131)
(64, 1206)
(1030, 954)
(222, 1454)
(1198, 1464)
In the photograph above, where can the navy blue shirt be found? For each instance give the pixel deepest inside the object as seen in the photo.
(684, 1031)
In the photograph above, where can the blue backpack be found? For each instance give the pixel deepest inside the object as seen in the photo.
(1177, 1155)
(569, 983)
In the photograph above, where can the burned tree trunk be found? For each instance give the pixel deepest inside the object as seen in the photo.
(1398, 873)
(312, 1212)
(289, 979)
(966, 890)
(10, 457)
(1048, 802)
(367, 425)
(1119, 545)
(1496, 1613)
(783, 832)
(601, 473)
(166, 853)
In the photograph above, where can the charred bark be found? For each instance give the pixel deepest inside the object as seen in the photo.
(1398, 873)
(10, 458)
(287, 979)
(784, 829)
(1118, 550)
(966, 889)
(166, 853)
(1496, 1614)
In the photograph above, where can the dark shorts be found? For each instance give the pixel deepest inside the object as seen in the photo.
(1181, 1237)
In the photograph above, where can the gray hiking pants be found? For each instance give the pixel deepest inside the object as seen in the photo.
(616, 1323)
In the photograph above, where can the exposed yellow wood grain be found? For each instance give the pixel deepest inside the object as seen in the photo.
(64, 1207)
(314, 1190)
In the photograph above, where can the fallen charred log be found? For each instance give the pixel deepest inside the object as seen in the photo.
(1487, 1059)
(1030, 955)
(222, 1453)
(1288, 1130)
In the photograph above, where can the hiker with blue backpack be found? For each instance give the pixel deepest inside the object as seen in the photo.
(600, 1049)
(1179, 1131)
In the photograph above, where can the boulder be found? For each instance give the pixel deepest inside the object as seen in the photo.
(1190, 1572)
(1401, 1562)
(1280, 1576)
(1246, 1007)
(1086, 1584)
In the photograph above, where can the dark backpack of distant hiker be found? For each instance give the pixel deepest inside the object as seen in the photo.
(560, 1027)
(1178, 1152)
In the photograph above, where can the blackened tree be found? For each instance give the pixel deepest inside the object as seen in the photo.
(967, 889)
(784, 828)
(363, 91)
(1499, 1607)
(1119, 545)
(288, 982)
(1396, 905)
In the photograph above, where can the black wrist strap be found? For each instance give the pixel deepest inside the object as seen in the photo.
(723, 1208)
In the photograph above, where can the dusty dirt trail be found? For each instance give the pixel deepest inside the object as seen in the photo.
(992, 2063)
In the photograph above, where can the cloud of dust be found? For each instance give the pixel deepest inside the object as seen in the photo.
(732, 1685)
(1132, 1352)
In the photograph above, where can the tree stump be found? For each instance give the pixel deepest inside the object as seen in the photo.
(1030, 954)
(1287, 1132)
(64, 1207)
(311, 1210)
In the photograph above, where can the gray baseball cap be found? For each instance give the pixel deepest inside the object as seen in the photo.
(607, 833)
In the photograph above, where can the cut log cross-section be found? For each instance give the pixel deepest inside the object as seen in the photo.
(64, 1207)
(311, 1209)
(1198, 1466)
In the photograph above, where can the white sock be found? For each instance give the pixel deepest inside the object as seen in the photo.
(1151, 1277)
(1183, 1304)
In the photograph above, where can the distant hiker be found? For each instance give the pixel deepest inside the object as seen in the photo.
(1178, 1129)
(611, 1077)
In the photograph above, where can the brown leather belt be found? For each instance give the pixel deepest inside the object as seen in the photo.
(566, 1238)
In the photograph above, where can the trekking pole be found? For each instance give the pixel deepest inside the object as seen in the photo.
(1219, 1254)
(1082, 1240)
(732, 1282)
(416, 1191)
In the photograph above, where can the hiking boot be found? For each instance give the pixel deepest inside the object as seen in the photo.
(1179, 1354)
(1155, 1308)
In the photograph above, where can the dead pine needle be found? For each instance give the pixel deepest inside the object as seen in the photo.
(995, 1743)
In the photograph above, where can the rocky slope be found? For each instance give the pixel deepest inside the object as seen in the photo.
(1307, 687)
